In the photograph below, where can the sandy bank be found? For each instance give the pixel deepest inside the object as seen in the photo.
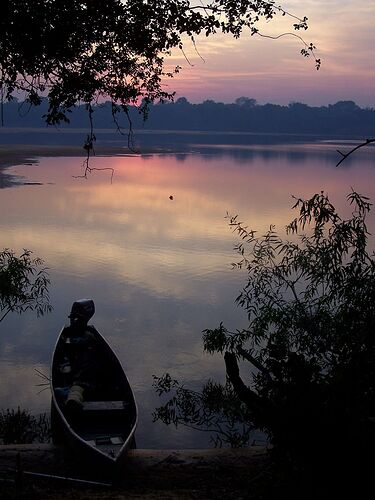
(15, 154)
(18, 154)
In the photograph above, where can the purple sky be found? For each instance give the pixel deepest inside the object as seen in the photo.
(274, 71)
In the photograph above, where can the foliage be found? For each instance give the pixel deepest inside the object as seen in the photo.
(18, 427)
(78, 51)
(215, 409)
(310, 304)
(23, 284)
(245, 115)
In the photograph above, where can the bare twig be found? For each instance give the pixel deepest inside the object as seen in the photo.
(345, 155)
(67, 479)
(42, 375)
(5, 314)
(89, 169)
(45, 388)
(306, 51)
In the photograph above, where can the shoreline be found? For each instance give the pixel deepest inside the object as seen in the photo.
(148, 473)
(13, 155)
(10, 153)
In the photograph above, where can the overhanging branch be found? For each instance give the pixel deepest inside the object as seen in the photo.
(345, 155)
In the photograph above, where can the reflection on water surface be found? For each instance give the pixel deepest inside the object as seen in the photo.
(158, 269)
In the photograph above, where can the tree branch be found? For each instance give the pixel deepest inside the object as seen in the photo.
(246, 355)
(309, 48)
(345, 155)
(4, 315)
(245, 394)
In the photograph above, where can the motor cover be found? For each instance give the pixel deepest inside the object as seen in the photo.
(82, 311)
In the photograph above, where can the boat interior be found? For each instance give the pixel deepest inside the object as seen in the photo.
(92, 390)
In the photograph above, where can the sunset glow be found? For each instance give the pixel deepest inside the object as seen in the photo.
(273, 70)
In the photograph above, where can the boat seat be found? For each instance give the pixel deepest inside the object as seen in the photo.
(105, 440)
(103, 405)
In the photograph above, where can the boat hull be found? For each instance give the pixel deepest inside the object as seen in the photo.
(93, 409)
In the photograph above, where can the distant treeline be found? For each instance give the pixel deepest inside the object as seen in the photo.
(244, 115)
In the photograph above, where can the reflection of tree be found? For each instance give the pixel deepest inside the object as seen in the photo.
(5, 180)
(23, 284)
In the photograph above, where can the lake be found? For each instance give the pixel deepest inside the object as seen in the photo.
(158, 269)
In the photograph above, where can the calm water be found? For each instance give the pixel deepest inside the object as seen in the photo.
(158, 269)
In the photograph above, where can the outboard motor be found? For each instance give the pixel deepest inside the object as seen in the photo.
(82, 311)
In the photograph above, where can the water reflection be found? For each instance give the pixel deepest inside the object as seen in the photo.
(158, 269)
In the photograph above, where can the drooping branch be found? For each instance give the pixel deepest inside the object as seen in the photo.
(115, 109)
(309, 48)
(346, 155)
(89, 148)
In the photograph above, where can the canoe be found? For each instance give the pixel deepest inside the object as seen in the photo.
(93, 409)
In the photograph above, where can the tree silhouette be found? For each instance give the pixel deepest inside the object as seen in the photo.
(23, 284)
(78, 51)
(310, 340)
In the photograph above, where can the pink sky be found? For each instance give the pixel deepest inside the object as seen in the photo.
(274, 71)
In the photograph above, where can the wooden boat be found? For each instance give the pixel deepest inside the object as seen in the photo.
(93, 409)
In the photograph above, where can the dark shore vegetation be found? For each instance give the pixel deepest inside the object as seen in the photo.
(343, 118)
(308, 350)
(24, 284)
(19, 427)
